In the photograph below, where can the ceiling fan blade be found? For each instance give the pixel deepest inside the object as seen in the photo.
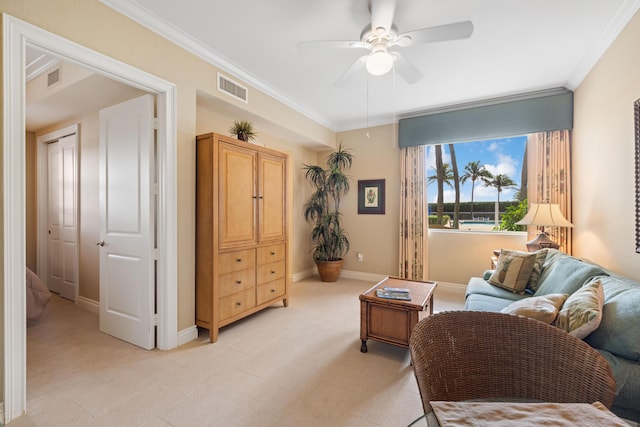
(353, 70)
(455, 31)
(382, 12)
(331, 44)
(406, 69)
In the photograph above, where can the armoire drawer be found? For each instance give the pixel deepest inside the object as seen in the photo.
(237, 281)
(269, 272)
(237, 303)
(270, 291)
(237, 260)
(271, 253)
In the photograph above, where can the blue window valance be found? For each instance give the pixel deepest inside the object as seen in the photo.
(530, 113)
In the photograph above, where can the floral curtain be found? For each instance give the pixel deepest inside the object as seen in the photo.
(553, 179)
(413, 214)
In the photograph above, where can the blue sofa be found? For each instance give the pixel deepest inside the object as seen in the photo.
(617, 337)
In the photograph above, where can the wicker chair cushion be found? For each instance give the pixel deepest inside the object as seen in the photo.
(543, 308)
(581, 314)
(513, 270)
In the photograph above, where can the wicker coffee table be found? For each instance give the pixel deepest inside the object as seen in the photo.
(391, 321)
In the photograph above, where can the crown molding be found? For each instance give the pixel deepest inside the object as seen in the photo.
(620, 20)
(159, 26)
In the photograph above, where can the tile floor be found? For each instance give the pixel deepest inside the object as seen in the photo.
(294, 366)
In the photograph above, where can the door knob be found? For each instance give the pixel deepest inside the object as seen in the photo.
(100, 243)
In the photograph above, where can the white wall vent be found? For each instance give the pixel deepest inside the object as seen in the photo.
(233, 89)
(53, 77)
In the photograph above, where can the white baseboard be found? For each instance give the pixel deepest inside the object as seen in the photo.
(360, 275)
(372, 277)
(347, 274)
(88, 304)
(186, 335)
(304, 274)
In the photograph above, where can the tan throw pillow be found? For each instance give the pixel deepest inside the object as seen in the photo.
(543, 308)
(581, 313)
(513, 270)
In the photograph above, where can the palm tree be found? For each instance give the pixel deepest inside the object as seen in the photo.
(500, 182)
(456, 183)
(444, 176)
(474, 171)
(447, 175)
(440, 179)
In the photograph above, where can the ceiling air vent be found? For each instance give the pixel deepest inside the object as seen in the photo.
(233, 89)
(53, 77)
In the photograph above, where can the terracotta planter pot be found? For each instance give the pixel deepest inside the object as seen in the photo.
(329, 270)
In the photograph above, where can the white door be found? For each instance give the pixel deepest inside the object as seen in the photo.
(62, 217)
(127, 221)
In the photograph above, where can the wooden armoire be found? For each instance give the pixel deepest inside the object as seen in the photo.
(241, 230)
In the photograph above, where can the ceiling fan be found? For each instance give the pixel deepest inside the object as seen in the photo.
(382, 39)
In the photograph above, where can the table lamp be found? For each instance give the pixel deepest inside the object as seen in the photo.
(543, 214)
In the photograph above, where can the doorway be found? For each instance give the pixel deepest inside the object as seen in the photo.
(17, 35)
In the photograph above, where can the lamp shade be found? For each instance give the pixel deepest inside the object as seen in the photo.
(544, 214)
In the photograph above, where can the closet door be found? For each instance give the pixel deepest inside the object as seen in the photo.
(62, 251)
(237, 196)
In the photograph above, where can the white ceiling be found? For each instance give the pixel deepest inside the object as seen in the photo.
(516, 47)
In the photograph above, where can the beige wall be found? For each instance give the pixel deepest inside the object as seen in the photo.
(376, 156)
(603, 157)
(456, 256)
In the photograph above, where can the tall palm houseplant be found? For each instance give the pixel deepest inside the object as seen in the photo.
(328, 238)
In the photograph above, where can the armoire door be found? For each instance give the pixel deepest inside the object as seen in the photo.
(271, 201)
(237, 195)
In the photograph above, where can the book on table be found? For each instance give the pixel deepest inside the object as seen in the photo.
(382, 293)
(397, 290)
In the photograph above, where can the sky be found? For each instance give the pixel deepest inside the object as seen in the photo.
(499, 156)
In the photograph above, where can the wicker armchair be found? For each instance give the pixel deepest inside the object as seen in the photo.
(462, 355)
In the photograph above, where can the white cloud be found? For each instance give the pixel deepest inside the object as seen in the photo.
(507, 165)
(484, 193)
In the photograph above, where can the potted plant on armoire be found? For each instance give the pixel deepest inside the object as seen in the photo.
(328, 238)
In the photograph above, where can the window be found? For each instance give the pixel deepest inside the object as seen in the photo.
(488, 172)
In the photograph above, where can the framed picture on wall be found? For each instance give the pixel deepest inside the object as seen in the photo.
(371, 196)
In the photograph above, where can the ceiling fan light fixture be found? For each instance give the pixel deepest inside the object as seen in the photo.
(379, 62)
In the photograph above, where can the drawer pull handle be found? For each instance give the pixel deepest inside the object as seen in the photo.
(238, 282)
(238, 303)
(273, 291)
(238, 259)
(272, 253)
(273, 272)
